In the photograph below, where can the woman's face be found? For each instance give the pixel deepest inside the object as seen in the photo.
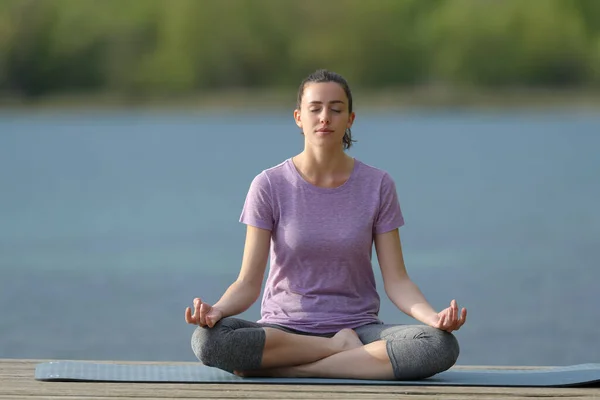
(324, 114)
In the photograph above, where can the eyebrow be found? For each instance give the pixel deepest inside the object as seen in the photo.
(331, 102)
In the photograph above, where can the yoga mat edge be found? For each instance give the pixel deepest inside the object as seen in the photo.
(86, 371)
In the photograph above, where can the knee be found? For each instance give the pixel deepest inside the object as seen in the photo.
(442, 350)
(203, 345)
(430, 352)
(446, 349)
(440, 345)
(209, 344)
(230, 345)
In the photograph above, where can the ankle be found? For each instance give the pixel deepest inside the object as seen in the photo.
(336, 345)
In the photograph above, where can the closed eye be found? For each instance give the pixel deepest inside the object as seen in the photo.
(318, 110)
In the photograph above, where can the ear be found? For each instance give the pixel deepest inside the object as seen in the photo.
(351, 119)
(297, 118)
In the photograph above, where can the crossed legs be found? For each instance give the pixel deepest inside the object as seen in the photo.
(368, 352)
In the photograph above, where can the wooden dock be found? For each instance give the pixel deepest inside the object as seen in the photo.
(17, 382)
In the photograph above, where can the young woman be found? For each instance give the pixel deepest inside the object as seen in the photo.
(317, 215)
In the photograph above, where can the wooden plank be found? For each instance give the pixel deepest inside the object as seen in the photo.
(17, 382)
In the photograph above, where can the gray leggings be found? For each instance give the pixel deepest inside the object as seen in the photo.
(415, 351)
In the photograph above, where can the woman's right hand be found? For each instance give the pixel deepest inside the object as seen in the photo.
(204, 314)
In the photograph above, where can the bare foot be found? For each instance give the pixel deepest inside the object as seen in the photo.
(347, 339)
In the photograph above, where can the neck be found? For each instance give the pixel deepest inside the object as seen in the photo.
(320, 161)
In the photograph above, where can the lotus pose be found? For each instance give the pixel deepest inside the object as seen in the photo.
(317, 215)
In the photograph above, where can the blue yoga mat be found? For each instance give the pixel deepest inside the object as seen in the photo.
(574, 375)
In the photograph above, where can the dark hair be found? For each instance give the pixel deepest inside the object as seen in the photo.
(321, 76)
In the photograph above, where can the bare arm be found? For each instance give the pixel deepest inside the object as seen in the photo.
(242, 293)
(403, 292)
(245, 290)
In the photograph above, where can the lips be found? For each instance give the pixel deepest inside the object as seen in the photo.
(324, 130)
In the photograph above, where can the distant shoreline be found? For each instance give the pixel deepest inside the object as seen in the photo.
(269, 99)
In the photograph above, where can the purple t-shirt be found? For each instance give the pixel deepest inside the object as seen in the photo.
(321, 278)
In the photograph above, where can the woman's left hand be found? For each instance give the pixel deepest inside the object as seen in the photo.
(449, 319)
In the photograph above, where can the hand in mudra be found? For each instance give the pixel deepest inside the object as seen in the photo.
(204, 314)
(449, 319)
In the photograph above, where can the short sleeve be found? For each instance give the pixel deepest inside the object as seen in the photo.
(258, 206)
(390, 215)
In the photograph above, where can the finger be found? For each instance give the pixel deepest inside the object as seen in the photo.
(188, 315)
(457, 318)
(197, 304)
(456, 309)
(451, 313)
(448, 323)
(459, 314)
(461, 322)
(198, 312)
(212, 318)
(449, 318)
(447, 315)
(201, 316)
(463, 316)
(193, 316)
(204, 310)
(442, 321)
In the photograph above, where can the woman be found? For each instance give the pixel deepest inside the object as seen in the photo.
(317, 215)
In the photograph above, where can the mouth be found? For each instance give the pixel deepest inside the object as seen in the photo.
(324, 130)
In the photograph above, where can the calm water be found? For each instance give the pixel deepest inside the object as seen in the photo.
(110, 224)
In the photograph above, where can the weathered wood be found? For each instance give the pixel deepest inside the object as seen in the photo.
(17, 382)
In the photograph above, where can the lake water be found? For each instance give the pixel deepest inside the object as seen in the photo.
(111, 223)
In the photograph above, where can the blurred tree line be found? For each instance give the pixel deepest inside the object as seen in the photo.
(186, 46)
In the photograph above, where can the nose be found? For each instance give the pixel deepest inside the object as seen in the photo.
(324, 117)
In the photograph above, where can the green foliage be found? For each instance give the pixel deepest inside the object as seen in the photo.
(511, 42)
(182, 46)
